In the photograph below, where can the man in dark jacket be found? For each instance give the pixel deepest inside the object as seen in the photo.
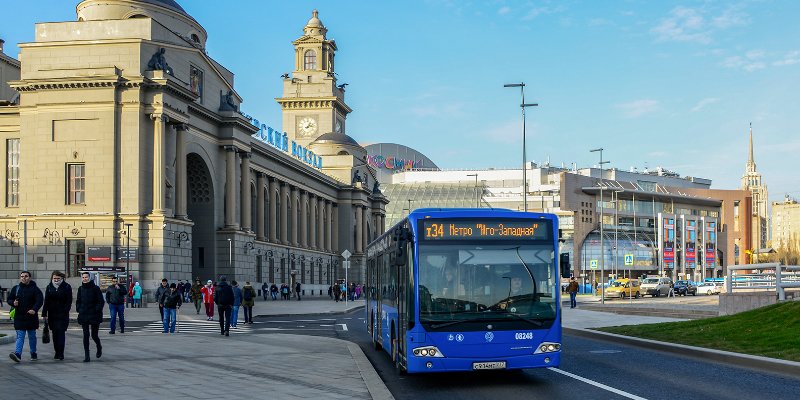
(164, 288)
(27, 299)
(115, 297)
(297, 290)
(223, 297)
(89, 305)
(172, 301)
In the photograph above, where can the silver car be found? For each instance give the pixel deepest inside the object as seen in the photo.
(656, 286)
(709, 288)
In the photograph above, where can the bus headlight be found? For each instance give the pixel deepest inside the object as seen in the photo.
(548, 347)
(427, 351)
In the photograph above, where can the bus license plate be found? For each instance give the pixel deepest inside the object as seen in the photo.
(489, 365)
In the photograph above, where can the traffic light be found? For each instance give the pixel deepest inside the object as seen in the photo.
(564, 265)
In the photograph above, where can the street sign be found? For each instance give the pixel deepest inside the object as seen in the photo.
(593, 264)
(628, 259)
(346, 254)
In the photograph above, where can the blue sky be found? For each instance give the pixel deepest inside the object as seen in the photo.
(671, 84)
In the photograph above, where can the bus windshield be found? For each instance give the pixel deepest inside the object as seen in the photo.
(478, 282)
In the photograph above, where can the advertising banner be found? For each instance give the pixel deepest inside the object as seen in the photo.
(710, 242)
(666, 239)
(690, 243)
(98, 253)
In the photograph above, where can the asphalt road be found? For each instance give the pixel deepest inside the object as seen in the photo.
(590, 369)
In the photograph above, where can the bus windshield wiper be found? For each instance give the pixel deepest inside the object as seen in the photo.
(448, 323)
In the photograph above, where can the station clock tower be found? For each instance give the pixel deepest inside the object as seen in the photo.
(312, 103)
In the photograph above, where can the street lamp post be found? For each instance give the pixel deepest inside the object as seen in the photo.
(616, 232)
(477, 195)
(128, 257)
(523, 105)
(602, 249)
(230, 254)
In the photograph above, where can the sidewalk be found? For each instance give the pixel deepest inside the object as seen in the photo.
(148, 365)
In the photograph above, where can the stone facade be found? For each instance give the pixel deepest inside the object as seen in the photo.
(126, 123)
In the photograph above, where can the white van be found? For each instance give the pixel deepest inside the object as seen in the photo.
(656, 286)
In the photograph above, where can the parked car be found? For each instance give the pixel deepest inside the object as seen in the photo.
(623, 288)
(656, 286)
(709, 288)
(685, 288)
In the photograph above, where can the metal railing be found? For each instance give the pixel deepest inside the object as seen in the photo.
(773, 276)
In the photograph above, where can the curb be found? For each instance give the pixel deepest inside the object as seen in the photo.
(766, 364)
(377, 389)
(10, 337)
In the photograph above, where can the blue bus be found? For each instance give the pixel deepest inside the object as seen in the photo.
(465, 290)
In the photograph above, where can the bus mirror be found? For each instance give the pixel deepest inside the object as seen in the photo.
(401, 236)
(564, 265)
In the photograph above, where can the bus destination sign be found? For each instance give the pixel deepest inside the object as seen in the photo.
(480, 229)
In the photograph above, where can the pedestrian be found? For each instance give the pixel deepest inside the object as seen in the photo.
(57, 303)
(89, 305)
(337, 292)
(265, 290)
(179, 287)
(343, 289)
(2, 295)
(572, 289)
(208, 299)
(273, 291)
(159, 293)
(172, 301)
(284, 291)
(27, 299)
(223, 297)
(187, 291)
(330, 291)
(297, 290)
(197, 294)
(115, 297)
(358, 292)
(237, 302)
(671, 290)
(137, 295)
(248, 301)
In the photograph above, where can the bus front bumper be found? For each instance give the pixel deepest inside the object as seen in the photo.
(444, 364)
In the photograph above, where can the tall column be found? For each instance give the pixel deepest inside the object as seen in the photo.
(230, 187)
(180, 171)
(383, 224)
(335, 229)
(359, 229)
(365, 229)
(295, 214)
(159, 133)
(247, 217)
(303, 219)
(260, 182)
(321, 224)
(285, 213)
(328, 226)
(312, 225)
(273, 210)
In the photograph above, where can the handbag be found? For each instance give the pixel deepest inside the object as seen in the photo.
(13, 311)
(46, 333)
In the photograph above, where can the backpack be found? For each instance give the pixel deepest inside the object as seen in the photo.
(248, 295)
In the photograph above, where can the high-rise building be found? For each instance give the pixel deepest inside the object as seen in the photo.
(752, 181)
(786, 224)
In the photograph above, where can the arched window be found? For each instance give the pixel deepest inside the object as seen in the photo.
(310, 58)
(195, 38)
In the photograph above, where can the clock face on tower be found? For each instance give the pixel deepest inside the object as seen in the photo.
(306, 126)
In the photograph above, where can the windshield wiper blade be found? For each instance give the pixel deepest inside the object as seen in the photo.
(536, 322)
(449, 323)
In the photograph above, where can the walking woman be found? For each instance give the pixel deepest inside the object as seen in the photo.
(57, 303)
(90, 313)
(137, 296)
(27, 300)
(248, 301)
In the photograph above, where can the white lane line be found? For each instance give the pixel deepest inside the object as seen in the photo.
(344, 326)
(597, 384)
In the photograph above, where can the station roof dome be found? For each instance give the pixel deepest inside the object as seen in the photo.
(171, 4)
(337, 138)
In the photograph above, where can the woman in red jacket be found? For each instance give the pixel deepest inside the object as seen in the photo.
(208, 299)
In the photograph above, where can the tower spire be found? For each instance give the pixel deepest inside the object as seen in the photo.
(750, 160)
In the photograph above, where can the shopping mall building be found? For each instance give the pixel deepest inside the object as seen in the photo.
(651, 216)
(126, 147)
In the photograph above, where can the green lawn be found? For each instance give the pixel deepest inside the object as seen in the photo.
(772, 331)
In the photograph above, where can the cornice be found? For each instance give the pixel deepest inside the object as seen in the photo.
(296, 103)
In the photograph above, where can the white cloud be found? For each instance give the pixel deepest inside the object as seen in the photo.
(683, 25)
(790, 58)
(657, 154)
(694, 25)
(751, 61)
(504, 10)
(702, 103)
(638, 108)
(509, 132)
(535, 12)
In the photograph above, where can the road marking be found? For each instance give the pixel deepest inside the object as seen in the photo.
(597, 384)
(344, 326)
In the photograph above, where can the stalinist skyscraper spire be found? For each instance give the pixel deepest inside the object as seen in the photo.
(751, 180)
